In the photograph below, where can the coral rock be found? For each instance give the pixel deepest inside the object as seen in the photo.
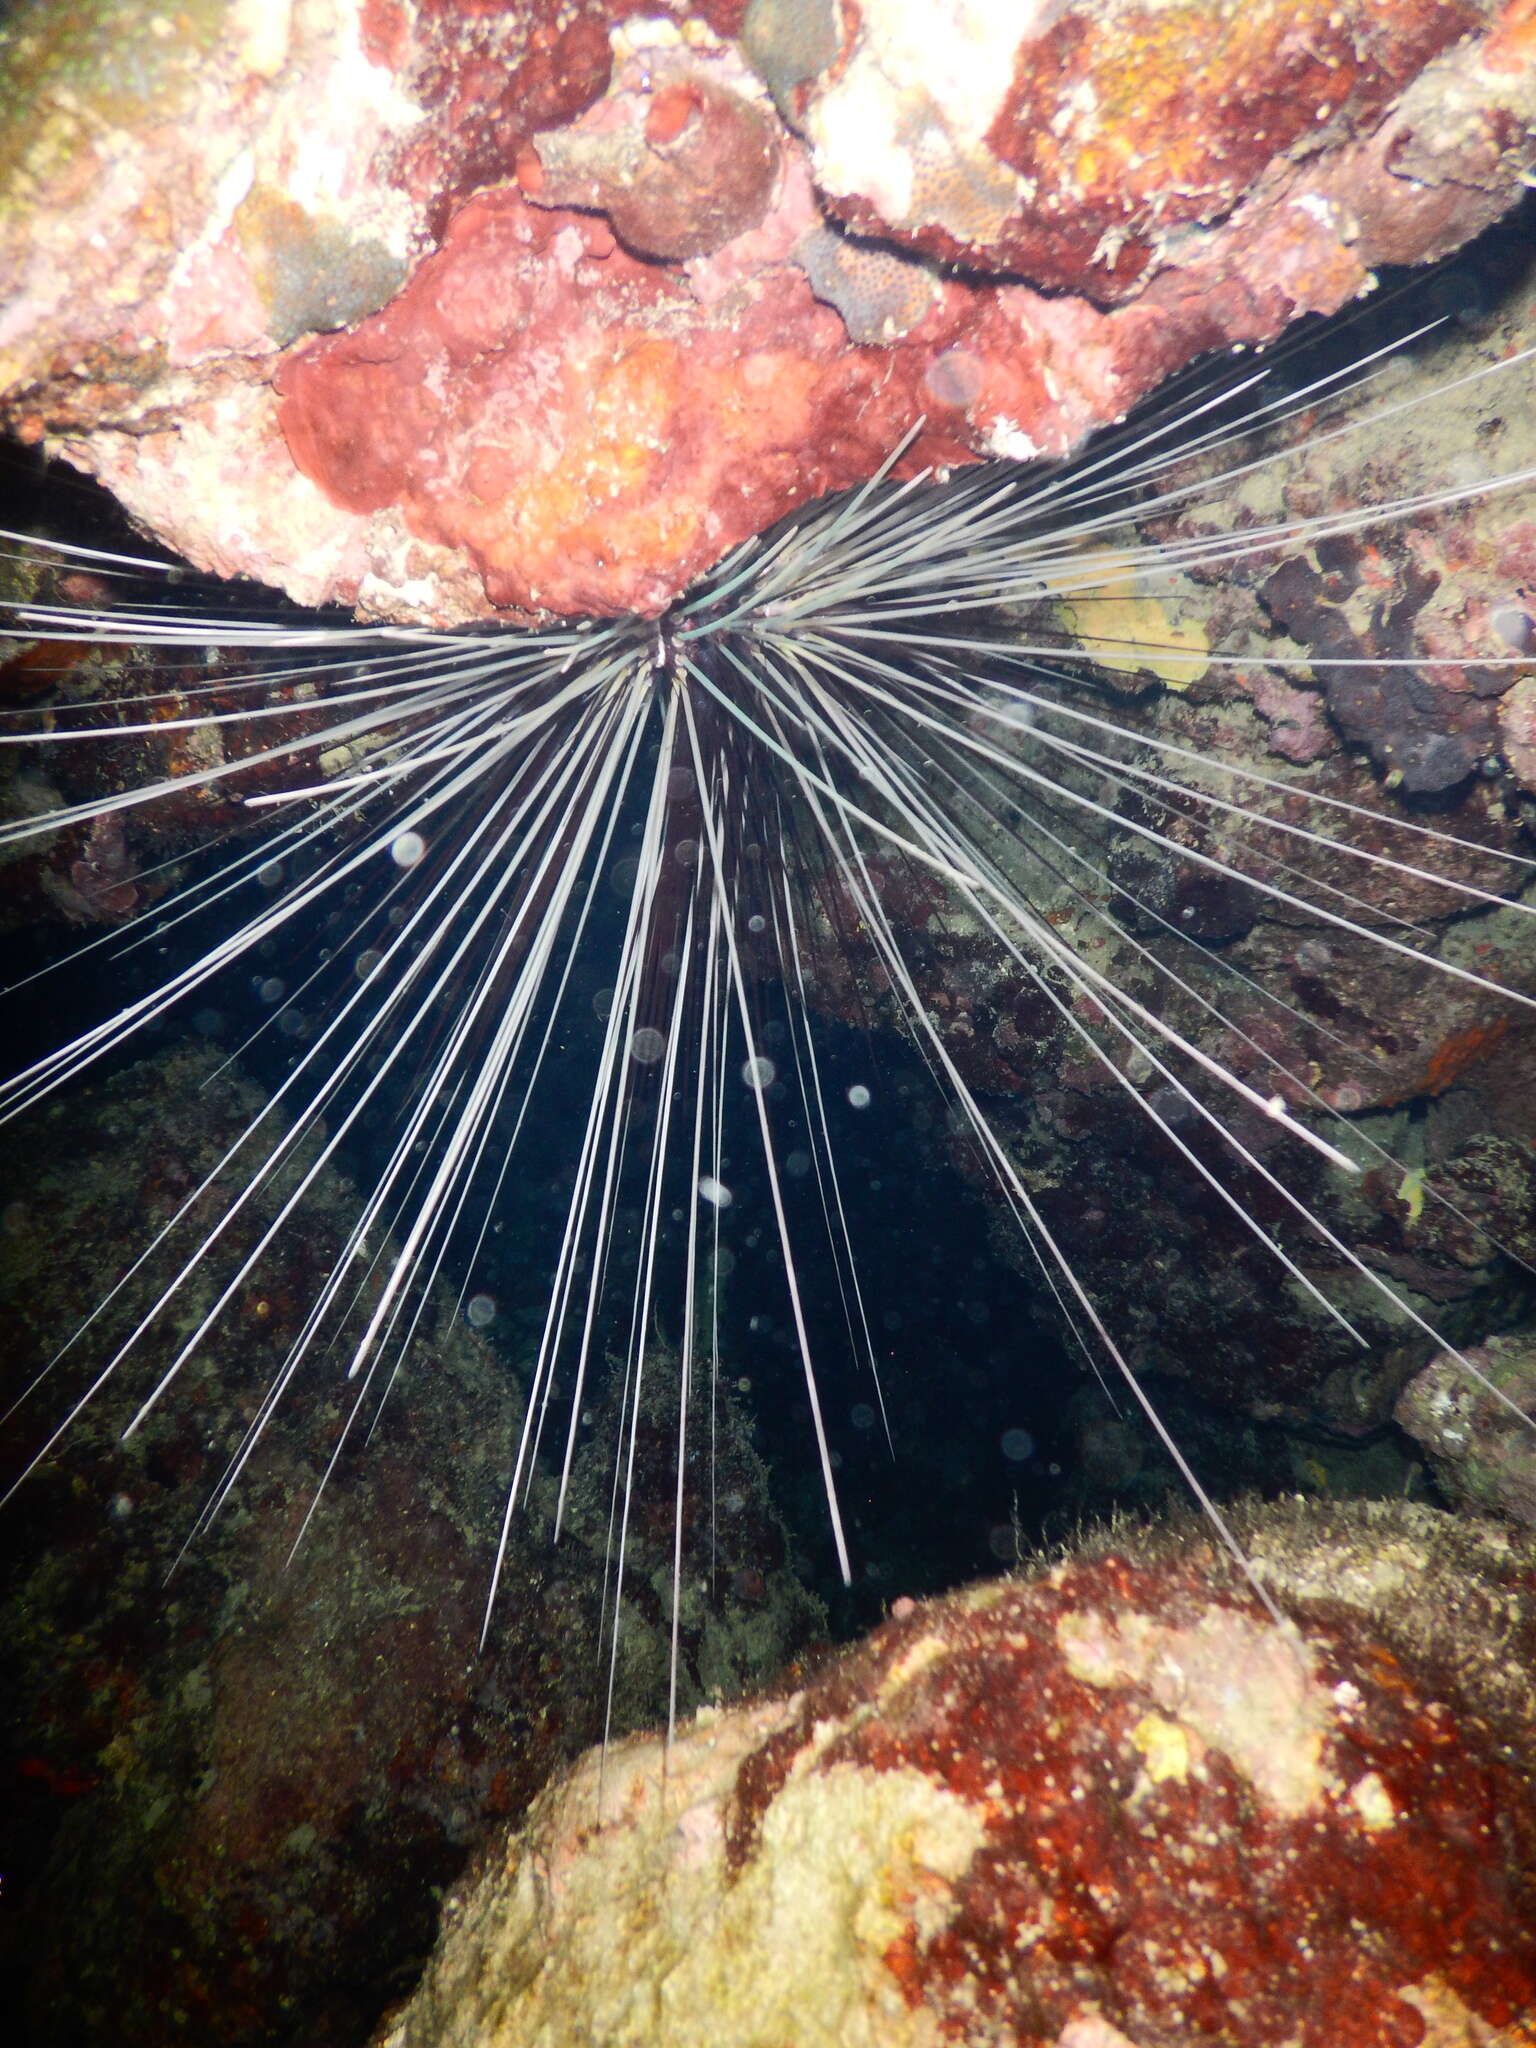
(234, 1770)
(612, 288)
(1471, 1428)
(1112, 1803)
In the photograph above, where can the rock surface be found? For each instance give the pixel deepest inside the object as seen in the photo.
(235, 1774)
(1482, 1453)
(451, 312)
(1109, 1805)
(1368, 668)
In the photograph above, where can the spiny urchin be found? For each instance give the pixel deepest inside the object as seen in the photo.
(880, 734)
(553, 955)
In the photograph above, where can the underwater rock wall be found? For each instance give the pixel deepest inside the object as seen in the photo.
(237, 1767)
(1369, 668)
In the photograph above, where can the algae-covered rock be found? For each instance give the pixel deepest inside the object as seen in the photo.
(456, 308)
(1482, 1454)
(1108, 1802)
(241, 1758)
